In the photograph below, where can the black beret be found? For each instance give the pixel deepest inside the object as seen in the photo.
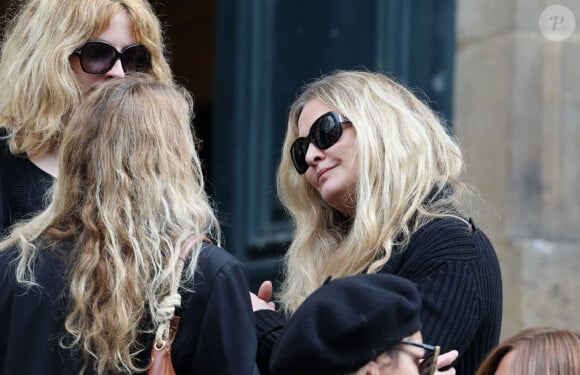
(347, 323)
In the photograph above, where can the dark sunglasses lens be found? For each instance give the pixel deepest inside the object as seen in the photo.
(326, 131)
(97, 58)
(136, 59)
(298, 152)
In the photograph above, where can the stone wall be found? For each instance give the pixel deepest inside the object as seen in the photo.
(517, 114)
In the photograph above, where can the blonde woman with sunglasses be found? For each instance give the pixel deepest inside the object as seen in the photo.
(86, 284)
(371, 179)
(54, 52)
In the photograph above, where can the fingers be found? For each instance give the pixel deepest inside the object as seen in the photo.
(265, 291)
(262, 300)
(445, 360)
(259, 304)
(451, 371)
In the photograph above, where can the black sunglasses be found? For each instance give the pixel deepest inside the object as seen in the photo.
(428, 364)
(325, 132)
(98, 57)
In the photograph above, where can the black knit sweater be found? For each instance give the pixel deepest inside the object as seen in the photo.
(457, 273)
(23, 187)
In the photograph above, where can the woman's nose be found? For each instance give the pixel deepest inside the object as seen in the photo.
(117, 70)
(313, 154)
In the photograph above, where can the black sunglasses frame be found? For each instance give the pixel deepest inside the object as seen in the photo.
(315, 136)
(143, 66)
(426, 368)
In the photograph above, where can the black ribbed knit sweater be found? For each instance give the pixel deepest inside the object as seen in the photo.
(456, 270)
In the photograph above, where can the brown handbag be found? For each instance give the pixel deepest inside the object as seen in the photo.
(161, 352)
(161, 363)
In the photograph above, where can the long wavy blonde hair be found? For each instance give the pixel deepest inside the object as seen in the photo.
(406, 159)
(129, 196)
(39, 87)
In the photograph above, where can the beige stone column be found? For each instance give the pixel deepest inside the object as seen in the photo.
(517, 115)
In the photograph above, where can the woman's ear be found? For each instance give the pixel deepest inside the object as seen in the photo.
(375, 366)
(372, 368)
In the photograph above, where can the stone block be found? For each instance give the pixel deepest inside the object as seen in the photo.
(483, 18)
(483, 101)
(550, 283)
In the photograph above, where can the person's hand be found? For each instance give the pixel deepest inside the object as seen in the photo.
(262, 300)
(446, 359)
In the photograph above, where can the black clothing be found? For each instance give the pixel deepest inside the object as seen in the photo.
(216, 333)
(456, 271)
(23, 187)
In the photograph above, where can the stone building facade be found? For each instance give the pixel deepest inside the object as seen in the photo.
(517, 114)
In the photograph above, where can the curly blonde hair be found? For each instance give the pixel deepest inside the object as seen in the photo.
(129, 196)
(39, 87)
(406, 159)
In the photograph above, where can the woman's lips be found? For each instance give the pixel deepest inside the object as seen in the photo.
(321, 173)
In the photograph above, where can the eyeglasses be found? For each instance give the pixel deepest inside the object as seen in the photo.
(428, 364)
(98, 57)
(325, 132)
